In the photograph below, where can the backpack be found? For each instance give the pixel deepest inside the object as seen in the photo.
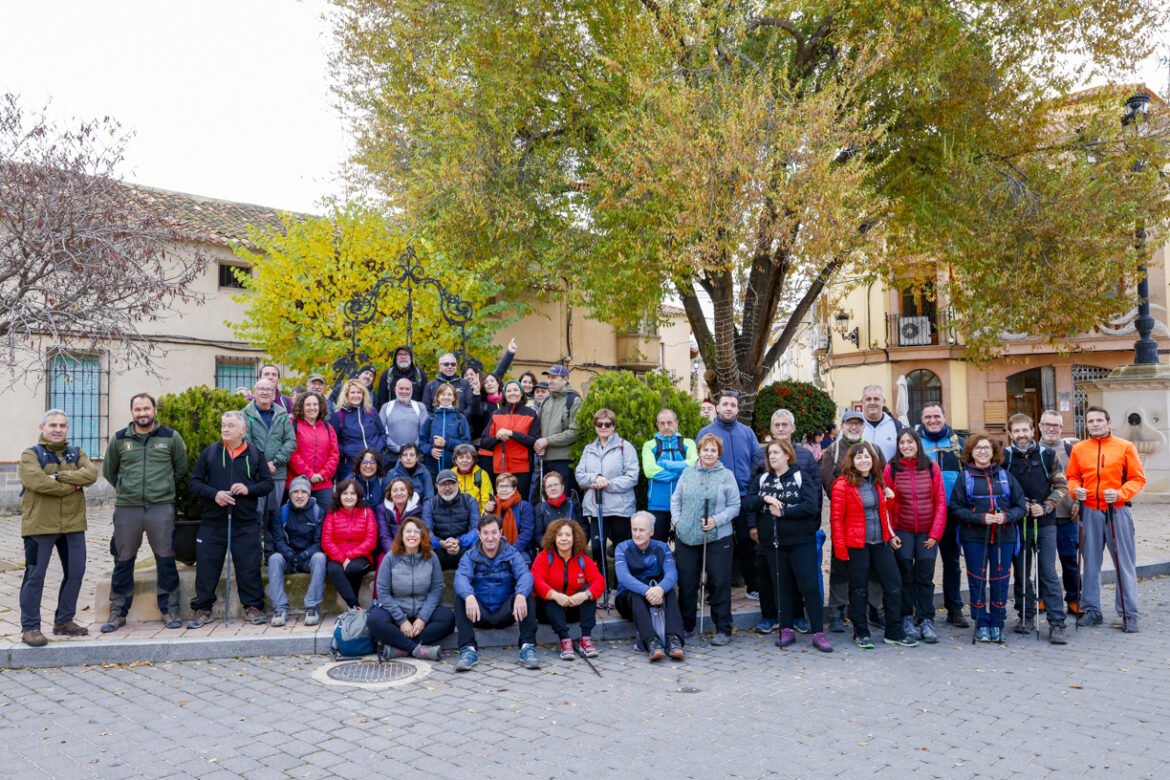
(44, 457)
(580, 559)
(969, 483)
(658, 448)
(351, 636)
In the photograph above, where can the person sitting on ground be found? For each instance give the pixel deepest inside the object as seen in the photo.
(515, 514)
(646, 577)
(444, 430)
(349, 537)
(357, 424)
(568, 583)
(473, 480)
(556, 504)
(408, 467)
(295, 544)
(451, 518)
(370, 474)
(399, 503)
(407, 617)
(493, 589)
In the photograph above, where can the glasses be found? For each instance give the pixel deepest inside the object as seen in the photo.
(1051, 425)
(603, 424)
(369, 463)
(442, 363)
(264, 390)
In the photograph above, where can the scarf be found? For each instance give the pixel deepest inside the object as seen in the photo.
(504, 509)
(495, 399)
(557, 501)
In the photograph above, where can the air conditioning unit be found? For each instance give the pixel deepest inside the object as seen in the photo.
(820, 338)
(913, 331)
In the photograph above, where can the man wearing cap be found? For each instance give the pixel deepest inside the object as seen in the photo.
(558, 425)
(832, 463)
(452, 517)
(294, 544)
(316, 384)
(539, 394)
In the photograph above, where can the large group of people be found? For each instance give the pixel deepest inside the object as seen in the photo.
(395, 479)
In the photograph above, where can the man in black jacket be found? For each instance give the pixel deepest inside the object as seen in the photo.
(294, 544)
(230, 476)
(404, 368)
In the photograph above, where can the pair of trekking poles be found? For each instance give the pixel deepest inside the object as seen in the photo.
(1030, 566)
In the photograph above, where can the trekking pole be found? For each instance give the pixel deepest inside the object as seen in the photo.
(984, 588)
(703, 567)
(601, 547)
(581, 652)
(776, 569)
(227, 590)
(1036, 573)
(537, 491)
(1080, 546)
(1117, 567)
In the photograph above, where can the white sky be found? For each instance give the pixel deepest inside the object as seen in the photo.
(226, 98)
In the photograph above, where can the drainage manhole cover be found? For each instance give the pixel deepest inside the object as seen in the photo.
(371, 674)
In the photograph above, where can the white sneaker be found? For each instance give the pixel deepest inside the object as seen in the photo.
(752, 595)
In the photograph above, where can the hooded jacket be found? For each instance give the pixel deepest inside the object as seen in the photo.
(316, 453)
(674, 453)
(558, 421)
(388, 520)
(424, 485)
(53, 500)
(617, 461)
(276, 441)
(512, 455)
(701, 489)
(144, 467)
(493, 581)
(356, 429)
(384, 388)
(453, 428)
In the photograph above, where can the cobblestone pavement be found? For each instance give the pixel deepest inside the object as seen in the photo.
(1092, 708)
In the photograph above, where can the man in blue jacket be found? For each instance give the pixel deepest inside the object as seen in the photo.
(493, 589)
(945, 446)
(646, 577)
(739, 448)
(663, 459)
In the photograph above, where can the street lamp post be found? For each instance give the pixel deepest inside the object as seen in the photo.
(1145, 349)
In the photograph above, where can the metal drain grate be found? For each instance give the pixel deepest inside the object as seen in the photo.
(371, 674)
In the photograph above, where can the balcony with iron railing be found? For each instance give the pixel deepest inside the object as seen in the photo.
(919, 330)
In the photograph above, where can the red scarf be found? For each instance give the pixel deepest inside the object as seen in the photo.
(557, 501)
(504, 508)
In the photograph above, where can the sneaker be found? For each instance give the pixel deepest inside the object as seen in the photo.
(674, 647)
(957, 619)
(909, 629)
(1130, 626)
(802, 625)
(312, 616)
(765, 626)
(721, 639)
(528, 657)
(929, 635)
(822, 643)
(1091, 617)
(255, 616)
(467, 659)
(69, 629)
(587, 648)
(837, 621)
(654, 648)
(1057, 635)
(787, 637)
(34, 638)
(1025, 626)
(863, 642)
(875, 618)
(115, 622)
(752, 595)
(201, 618)
(996, 635)
(172, 619)
(906, 641)
(427, 652)
(279, 618)
(567, 652)
(390, 652)
(983, 634)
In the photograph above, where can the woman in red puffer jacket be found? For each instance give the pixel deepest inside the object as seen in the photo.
(568, 584)
(919, 512)
(316, 455)
(348, 537)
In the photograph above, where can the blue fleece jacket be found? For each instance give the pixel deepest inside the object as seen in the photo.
(739, 445)
(493, 581)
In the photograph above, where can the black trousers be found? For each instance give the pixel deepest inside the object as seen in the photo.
(633, 607)
(385, 630)
(916, 563)
(745, 554)
(500, 618)
(795, 568)
(880, 559)
(559, 618)
(447, 561)
(617, 530)
(689, 559)
(211, 548)
(661, 525)
(951, 556)
(348, 580)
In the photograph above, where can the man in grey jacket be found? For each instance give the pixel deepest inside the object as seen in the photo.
(271, 432)
(558, 425)
(403, 418)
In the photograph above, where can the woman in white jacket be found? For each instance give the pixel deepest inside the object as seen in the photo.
(607, 474)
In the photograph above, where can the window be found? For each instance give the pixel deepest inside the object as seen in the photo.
(233, 372)
(80, 387)
(923, 387)
(228, 279)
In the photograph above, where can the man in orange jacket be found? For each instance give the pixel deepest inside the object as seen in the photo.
(1104, 473)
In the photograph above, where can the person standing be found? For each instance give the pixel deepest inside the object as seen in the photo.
(231, 478)
(270, 372)
(608, 470)
(881, 427)
(402, 418)
(443, 431)
(945, 447)
(511, 436)
(404, 368)
(316, 455)
(358, 426)
(271, 432)
(144, 461)
(52, 515)
(558, 425)
(739, 447)
(1104, 474)
(448, 375)
(663, 459)
(1067, 523)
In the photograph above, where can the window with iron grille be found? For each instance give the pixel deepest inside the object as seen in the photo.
(80, 386)
(233, 372)
(228, 279)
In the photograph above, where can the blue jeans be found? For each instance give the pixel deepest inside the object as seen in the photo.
(277, 566)
(989, 570)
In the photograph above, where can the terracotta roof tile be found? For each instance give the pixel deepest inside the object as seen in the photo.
(209, 220)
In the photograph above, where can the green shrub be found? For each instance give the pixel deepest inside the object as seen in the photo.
(812, 407)
(636, 403)
(195, 414)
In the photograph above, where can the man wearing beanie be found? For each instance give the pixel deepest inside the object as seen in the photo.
(294, 545)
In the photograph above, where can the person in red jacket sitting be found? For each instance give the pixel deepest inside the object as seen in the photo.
(316, 455)
(863, 536)
(919, 510)
(568, 583)
(348, 537)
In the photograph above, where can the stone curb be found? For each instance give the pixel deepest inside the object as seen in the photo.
(74, 653)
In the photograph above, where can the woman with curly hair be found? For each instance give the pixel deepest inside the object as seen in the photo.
(568, 584)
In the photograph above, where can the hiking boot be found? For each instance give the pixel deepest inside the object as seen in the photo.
(996, 635)
(567, 652)
(172, 619)
(983, 634)
(427, 652)
(863, 642)
(312, 616)
(720, 639)
(909, 629)
(528, 657)
(1090, 617)
(752, 595)
(674, 647)
(905, 641)
(279, 618)
(115, 622)
(587, 648)
(957, 619)
(69, 629)
(929, 635)
(822, 643)
(201, 618)
(765, 626)
(654, 648)
(34, 638)
(1057, 635)
(255, 616)
(467, 659)
(390, 652)
(837, 621)
(802, 625)
(1130, 625)
(1025, 626)
(787, 637)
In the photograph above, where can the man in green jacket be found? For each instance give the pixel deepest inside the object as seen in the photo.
(558, 425)
(270, 430)
(52, 514)
(144, 461)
